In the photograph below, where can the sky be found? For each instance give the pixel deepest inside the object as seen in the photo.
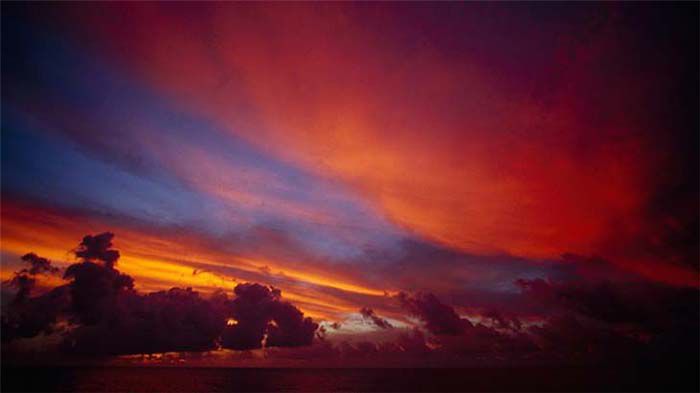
(418, 183)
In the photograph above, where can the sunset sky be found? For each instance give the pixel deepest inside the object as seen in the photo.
(526, 171)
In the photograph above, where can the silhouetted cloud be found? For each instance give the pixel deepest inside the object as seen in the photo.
(33, 316)
(592, 315)
(589, 311)
(24, 283)
(381, 323)
(458, 336)
(163, 321)
(95, 289)
(26, 316)
(290, 327)
(439, 318)
(109, 317)
(251, 310)
(24, 280)
(259, 313)
(38, 264)
(98, 248)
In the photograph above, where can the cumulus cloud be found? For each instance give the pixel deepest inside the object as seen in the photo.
(458, 336)
(260, 315)
(587, 318)
(109, 317)
(24, 284)
(29, 316)
(251, 311)
(439, 318)
(38, 265)
(163, 321)
(95, 290)
(588, 311)
(98, 248)
(24, 280)
(33, 316)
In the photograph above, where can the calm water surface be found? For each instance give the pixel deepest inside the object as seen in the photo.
(183, 379)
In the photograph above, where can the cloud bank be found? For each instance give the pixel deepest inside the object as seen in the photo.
(98, 312)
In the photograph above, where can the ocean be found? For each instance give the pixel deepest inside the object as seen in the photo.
(197, 379)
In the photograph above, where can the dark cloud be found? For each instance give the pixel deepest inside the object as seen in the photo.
(413, 342)
(589, 311)
(24, 280)
(456, 336)
(290, 328)
(98, 248)
(95, 290)
(259, 314)
(369, 314)
(25, 316)
(568, 338)
(439, 318)
(108, 317)
(33, 316)
(164, 321)
(38, 264)
(590, 315)
(251, 311)
(644, 304)
(24, 283)
(588, 318)
(96, 285)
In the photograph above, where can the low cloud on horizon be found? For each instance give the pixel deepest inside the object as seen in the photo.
(584, 318)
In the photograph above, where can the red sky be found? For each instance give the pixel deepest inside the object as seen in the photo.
(346, 153)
